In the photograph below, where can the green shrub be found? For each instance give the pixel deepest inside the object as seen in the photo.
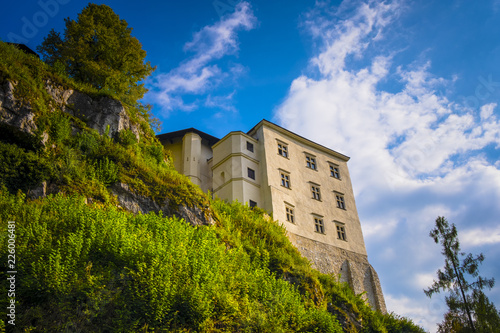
(127, 138)
(21, 169)
(88, 142)
(106, 171)
(60, 127)
(104, 270)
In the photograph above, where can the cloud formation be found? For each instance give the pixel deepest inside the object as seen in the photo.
(200, 74)
(416, 154)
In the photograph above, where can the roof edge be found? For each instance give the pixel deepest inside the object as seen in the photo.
(298, 137)
(179, 134)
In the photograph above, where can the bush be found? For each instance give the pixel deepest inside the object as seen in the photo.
(21, 169)
(127, 138)
(105, 171)
(104, 270)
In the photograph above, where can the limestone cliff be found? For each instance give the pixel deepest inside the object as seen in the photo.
(20, 117)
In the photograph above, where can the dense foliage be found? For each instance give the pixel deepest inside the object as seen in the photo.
(93, 268)
(469, 308)
(85, 264)
(98, 49)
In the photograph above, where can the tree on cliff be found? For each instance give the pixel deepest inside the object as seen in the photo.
(98, 49)
(469, 308)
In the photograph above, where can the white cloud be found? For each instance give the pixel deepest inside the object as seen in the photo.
(475, 237)
(487, 110)
(415, 154)
(198, 74)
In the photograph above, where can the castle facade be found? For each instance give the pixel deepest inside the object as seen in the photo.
(305, 186)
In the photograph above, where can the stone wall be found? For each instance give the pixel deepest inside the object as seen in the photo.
(351, 267)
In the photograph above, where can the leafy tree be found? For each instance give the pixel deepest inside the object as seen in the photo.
(97, 48)
(466, 300)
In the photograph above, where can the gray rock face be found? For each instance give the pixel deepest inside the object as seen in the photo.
(13, 112)
(194, 215)
(140, 204)
(98, 113)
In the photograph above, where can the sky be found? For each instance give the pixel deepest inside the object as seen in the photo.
(410, 90)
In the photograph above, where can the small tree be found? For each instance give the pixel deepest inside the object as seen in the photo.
(98, 49)
(465, 299)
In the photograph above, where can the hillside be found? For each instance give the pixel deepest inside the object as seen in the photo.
(110, 238)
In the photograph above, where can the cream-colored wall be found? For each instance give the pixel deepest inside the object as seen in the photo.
(176, 152)
(190, 155)
(205, 169)
(300, 195)
(232, 158)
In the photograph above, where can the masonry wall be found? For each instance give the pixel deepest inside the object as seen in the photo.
(350, 267)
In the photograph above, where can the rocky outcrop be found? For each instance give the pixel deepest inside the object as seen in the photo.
(99, 113)
(141, 204)
(106, 116)
(13, 112)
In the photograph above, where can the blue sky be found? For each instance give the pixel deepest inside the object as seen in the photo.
(409, 89)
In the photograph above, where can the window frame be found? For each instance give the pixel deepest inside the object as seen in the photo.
(340, 199)
(341, 232)
(316, 191)
(250, 145)
(290, 213)
(251, 203)
(311, 162)
(283, 149)
(250, 173)
(319, 224)
(335, 171)
(285, 179)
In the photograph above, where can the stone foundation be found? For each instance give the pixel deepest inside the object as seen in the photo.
(350, 267)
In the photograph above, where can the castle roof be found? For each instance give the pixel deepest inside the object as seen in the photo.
(180, 134)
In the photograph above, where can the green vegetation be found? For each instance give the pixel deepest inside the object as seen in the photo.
(469, 308)
(98, 49)
(86, 264)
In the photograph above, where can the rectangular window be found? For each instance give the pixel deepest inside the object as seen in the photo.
(290, 214)
(341, 232)
(318, 225)
(251, 173)
(340, 201)
(252, 203)
(334, 171)
(311, 162)
(315, 192)
(283, 149)
(250, 146)
(285, 180)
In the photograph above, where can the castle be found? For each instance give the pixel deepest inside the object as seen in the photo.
(305, 186)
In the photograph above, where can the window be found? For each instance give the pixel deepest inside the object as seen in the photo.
(290, 214)
(315, 192)
(250, 146)
(334, 171)
(318, 225)
(311, 162)
(285, 179)
(341, 232)
(340, 200)
(251, 173)
(252, 203)
(283, 149)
